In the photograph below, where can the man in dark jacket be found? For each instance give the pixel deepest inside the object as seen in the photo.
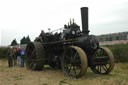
(15, 56)
(10, 57)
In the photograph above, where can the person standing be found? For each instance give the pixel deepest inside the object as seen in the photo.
(43, 36)
(15, 56)
(22, 53)
(18, 56)
(10, 57)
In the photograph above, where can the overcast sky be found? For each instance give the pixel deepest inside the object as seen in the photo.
(20, 18)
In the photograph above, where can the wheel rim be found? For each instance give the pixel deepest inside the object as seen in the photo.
(105, 68)
(74, 62)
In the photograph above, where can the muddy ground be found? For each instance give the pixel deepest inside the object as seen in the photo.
(22, 76)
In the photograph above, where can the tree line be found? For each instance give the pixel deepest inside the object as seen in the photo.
(24, 40)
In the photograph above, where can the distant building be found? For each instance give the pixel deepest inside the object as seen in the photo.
(113, 38)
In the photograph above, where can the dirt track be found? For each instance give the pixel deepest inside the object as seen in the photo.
(22, 76)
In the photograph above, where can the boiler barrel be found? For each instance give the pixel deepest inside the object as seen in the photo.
(88, 43)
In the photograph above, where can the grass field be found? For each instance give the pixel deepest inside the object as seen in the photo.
(22, 76)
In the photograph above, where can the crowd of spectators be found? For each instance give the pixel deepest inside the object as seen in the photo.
(16, 56)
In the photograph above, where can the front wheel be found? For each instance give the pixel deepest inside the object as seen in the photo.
(106, 61)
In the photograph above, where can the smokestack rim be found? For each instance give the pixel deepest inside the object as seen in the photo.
(84, 7)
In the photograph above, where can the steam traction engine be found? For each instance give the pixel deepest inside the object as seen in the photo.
(72, 50)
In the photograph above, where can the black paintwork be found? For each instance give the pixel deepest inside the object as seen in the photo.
(55, 44)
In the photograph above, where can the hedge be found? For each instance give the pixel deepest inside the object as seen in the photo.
(3, 52)
(120, 52)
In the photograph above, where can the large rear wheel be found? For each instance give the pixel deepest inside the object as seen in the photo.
(74, 62)
(34, 56)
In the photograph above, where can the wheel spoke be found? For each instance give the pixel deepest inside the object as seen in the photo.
(75, 55)
(104, 67)
(70, 67)
(31, 64)
(104, 53)
(71, 54)
(75, 71)
(98, 67)
(100, 53)
(33, 54)
(97, 54)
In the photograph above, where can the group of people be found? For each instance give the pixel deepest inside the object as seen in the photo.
(16, 56)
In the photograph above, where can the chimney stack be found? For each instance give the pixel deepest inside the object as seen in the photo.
(84, 17)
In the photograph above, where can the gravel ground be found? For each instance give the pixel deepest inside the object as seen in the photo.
(48, 76)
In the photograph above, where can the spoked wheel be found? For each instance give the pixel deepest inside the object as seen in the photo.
(34, 56)
(105, 61)
(74, 62)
